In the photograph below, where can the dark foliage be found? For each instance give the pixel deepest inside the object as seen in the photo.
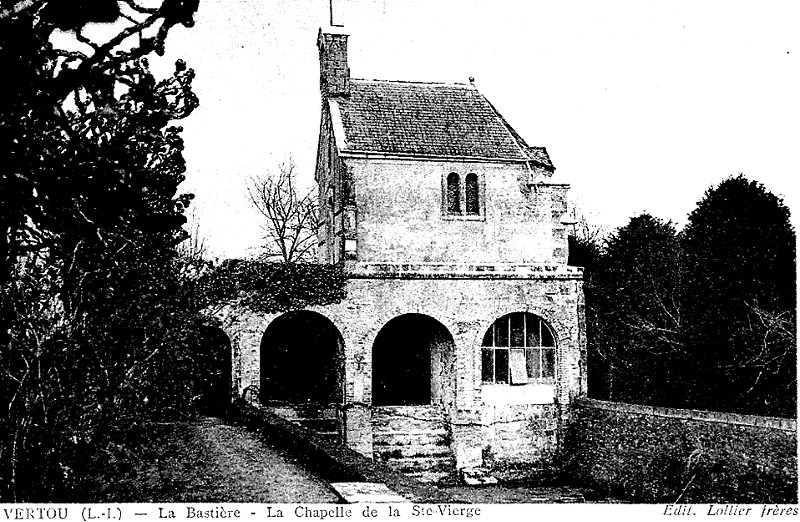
(270, 287)
(637, 338)
(94, 324)
(705, 319)
(739, 299)
(587, 252)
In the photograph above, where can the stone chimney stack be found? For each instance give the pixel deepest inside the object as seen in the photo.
(334, 74)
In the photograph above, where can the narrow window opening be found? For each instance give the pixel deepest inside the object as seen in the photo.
(453, 194)
(471, 193)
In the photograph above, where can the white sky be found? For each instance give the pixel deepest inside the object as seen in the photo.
(642, 105)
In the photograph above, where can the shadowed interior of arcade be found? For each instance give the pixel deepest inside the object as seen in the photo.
(412, 363)
(302, 356)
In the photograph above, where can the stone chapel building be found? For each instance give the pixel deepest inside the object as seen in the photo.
(461, 341)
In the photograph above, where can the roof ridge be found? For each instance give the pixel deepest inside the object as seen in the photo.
(410, 82)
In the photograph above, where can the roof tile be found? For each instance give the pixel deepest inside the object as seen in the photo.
(429, 119)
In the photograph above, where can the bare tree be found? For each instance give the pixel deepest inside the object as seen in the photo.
(584, 224)
(194, 246)
(773, 346)
(290, 217)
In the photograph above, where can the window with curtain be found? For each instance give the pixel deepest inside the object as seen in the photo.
(519, 348)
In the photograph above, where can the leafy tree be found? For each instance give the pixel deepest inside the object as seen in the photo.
(739, 299)
(55, 96)
(92, 320)
(637, 321)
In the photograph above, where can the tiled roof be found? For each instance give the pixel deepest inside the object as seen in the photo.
(429, 119)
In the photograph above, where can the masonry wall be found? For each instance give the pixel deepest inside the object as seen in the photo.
(466, 307)
(510, 423)
(520, 433)
(665, 455)
(401, 214)
(332, 195)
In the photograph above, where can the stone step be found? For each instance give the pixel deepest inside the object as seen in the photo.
(429, 476)
(436, 437)
(406, 424)
(419, 408)
(423, 413)
(389, 451)
(420, 464)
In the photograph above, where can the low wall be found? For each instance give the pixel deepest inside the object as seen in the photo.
(330, 460)
(651, 454)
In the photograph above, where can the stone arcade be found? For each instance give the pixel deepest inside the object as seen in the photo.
(461, 341)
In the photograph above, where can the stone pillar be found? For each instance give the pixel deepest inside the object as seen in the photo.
(467, 444)
(250, 360)
(357, 428)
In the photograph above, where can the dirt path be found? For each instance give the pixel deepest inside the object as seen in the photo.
(257, 472)
(209, 461)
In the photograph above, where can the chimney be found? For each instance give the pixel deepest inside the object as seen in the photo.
(334, 74)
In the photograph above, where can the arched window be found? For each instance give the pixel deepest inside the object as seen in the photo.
(518, 348)
(453, 194)
(471, 195)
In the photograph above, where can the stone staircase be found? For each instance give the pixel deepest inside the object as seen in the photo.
(319, 419)
(413, 440)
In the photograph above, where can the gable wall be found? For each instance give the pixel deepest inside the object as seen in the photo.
(332, 198)
(400, 214)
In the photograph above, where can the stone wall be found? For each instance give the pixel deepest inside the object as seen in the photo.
(650, 454)
(466, 307)
(401, 218)
(510, 423)
(520, 433)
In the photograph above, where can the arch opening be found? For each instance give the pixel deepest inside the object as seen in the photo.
(302, 360)
(213, 387)
(413, 363)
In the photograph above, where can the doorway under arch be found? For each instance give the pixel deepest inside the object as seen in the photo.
(302, 360)
(213, 387)
(413, 363)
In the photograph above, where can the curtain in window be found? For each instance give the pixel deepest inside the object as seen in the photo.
(517, 349)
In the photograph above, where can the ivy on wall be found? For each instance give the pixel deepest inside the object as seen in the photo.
(268, 287)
